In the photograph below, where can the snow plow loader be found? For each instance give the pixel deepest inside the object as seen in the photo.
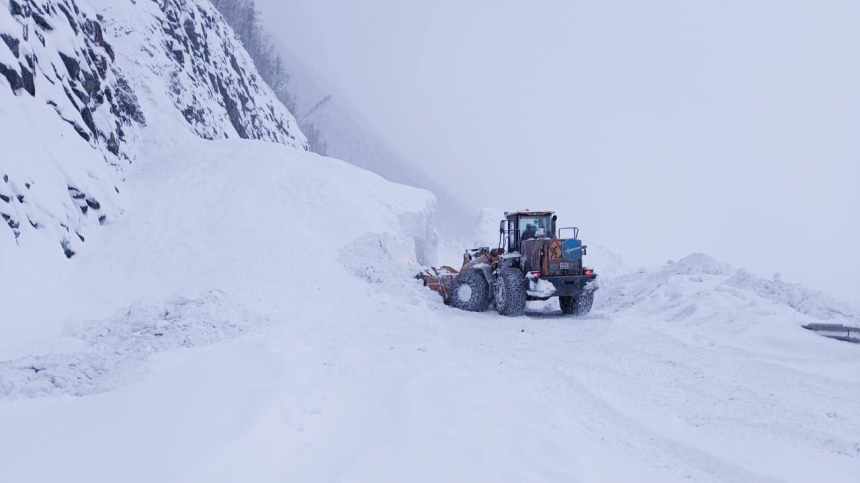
(533, 262)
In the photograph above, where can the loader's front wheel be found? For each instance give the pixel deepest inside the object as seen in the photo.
(510, 292)
(470, 292)
(579, 305)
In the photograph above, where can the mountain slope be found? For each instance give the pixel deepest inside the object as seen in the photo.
(78, 81)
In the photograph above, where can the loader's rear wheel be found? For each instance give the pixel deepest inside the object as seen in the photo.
(580, 305)
(510, 292)
(470, 292)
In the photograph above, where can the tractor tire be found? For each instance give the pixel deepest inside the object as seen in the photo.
(470, 292)
(577, 305)
(510, 292)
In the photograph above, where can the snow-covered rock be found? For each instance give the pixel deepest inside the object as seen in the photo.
(187, 49)
(78, 82)
(68, 118)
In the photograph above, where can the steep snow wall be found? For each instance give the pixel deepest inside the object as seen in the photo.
(283, 232)
(79, 80)
(351, 137)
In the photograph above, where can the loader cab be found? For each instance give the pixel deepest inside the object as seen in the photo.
(524, 225)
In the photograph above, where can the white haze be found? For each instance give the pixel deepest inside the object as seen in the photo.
(660, 128)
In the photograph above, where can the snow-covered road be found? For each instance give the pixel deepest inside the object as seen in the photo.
(221, 333)
(397, 392)
(407, 389)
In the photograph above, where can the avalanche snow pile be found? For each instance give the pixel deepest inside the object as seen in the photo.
(78, 83)
(809, 302)
(287, 245)
(698, 295)
(172, 85)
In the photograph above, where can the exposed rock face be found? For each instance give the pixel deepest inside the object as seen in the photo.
(214, 82)
(70, 120)
(87, 64)
(58, 53)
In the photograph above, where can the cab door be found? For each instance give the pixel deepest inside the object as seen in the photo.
(513, 235)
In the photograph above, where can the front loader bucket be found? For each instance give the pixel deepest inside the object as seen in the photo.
(440, 280)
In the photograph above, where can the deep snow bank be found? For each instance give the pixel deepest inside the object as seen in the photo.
(349, 136)
(271, 226)
(702, 298)
(634, 289)
(794, 295)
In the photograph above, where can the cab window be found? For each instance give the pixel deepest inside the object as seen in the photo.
(530, 226)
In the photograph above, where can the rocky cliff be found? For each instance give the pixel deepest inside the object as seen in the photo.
(79, 82)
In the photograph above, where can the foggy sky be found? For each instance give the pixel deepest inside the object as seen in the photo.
(660, 128)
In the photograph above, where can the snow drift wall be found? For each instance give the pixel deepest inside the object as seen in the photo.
(350, 137)
(78, 82)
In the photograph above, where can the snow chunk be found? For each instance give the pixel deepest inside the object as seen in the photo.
(117, 348)
(378, 258)
(541, 288)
